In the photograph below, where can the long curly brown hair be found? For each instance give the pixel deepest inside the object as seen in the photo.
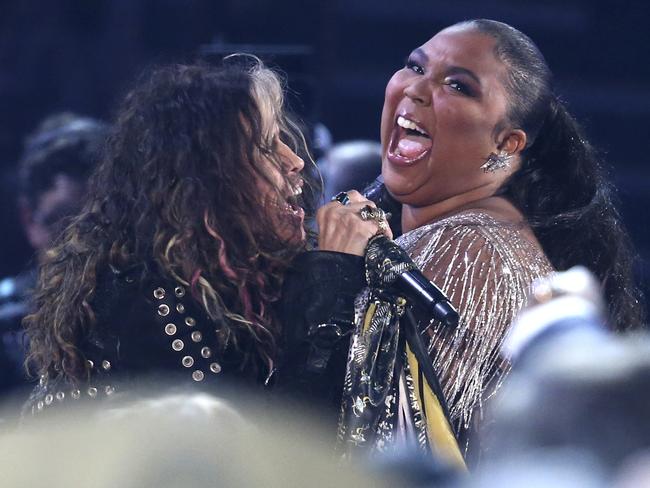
(178, 185)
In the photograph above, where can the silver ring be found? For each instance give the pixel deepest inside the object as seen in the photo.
(342, 197)
(383, 226)
(372, 213)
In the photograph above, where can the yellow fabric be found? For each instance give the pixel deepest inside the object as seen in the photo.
(369, 314)
(441, 438)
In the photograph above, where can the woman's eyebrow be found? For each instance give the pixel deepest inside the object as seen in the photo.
(420, 54)
(452, 70)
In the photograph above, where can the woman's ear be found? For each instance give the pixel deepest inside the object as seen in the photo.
(513, 141)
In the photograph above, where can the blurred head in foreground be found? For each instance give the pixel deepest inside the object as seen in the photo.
(576, 404)
(172, 441)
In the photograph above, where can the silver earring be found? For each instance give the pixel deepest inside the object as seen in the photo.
(496, 162)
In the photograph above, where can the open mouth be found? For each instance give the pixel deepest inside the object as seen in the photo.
(409, 142)
(293, 202)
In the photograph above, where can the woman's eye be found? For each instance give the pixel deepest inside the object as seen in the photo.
(413, 66)
(458, 86)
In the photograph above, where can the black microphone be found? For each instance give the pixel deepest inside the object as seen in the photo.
(388, 266)
(411, 282)
(377, 193)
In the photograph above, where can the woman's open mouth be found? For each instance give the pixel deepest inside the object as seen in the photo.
(409, 142)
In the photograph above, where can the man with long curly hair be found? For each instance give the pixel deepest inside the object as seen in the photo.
(175, 264)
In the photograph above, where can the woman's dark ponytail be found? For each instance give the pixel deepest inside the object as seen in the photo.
(561, 187)
(564, 193)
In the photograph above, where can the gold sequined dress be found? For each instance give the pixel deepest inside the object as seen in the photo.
(485, 267)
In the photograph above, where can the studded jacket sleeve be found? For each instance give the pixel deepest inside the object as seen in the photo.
(147, 327)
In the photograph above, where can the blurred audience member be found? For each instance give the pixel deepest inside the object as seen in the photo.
(52, 173)
(351, 164)
(560, 307)
(574, 412)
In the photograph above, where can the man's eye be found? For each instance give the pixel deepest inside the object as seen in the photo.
(270, 147)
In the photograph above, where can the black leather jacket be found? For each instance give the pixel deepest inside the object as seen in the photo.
(149, 326)
(317, 312)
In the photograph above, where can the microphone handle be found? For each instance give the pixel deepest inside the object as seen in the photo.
(424, 361)
(388, 265)
(414, 282)
(377, 192)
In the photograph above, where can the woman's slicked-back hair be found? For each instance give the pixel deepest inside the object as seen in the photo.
(561, 187)
(179, 186)
(529, 80)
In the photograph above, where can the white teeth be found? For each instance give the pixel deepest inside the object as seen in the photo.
(409, 124)
(297, 191)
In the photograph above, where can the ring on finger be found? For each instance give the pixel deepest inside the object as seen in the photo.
(383, 227)
(372, 213)
(342, 197)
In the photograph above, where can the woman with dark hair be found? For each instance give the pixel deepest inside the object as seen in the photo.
(175, 263)
(497, 187)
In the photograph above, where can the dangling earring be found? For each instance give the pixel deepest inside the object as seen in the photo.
(495, 162)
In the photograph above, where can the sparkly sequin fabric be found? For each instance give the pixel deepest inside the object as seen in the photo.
(485, 267)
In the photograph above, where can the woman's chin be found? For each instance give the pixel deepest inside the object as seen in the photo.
(398, 185)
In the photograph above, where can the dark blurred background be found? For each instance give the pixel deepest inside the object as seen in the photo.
(81, 55)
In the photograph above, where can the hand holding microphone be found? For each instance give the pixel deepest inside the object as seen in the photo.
(411, 281)
(348, 222)
(388, 266)
(354, 224)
